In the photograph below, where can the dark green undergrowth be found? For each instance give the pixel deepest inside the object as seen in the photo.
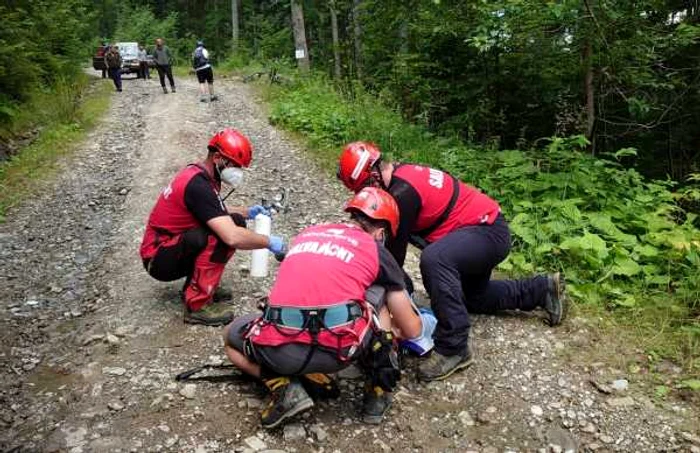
(63, 115)
(630, 253)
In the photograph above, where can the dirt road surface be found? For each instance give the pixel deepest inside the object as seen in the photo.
(89, 344)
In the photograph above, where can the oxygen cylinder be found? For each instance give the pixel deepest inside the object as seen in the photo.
(259, 258)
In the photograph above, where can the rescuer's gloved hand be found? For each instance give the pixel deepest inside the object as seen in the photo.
(277, 245)
(257, 209)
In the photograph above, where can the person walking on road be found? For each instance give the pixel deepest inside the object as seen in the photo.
(113, 62)
(163, 59)
(463, 236)
(204, 71)
(339, 297)
(191, 233)
(102, 53)
(144, 72)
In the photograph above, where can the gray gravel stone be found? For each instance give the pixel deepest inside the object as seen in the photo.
(294, 431)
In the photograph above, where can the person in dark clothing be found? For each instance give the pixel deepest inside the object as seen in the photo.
(103, 52)
(113, 61)
(463, 236)
(205, 73)
(144, 73)
(191, 232)
(164, 60)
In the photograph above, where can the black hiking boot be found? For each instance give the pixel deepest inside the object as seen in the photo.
(222, 295)
(173, 89)
(320, 386)
(438, 367)
(556, 303)
(165, 90)
(288, 399)
(375, 404)
(212, 314)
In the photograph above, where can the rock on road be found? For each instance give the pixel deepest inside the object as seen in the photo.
(90, 344)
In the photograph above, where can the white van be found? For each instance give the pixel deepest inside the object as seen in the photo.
(129, 52)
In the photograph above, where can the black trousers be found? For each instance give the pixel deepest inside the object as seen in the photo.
(177, 261)
(456, 272)
(165, 70)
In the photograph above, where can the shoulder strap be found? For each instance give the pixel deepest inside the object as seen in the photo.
(425, 232)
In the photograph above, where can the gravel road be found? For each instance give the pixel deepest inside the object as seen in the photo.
(89, 344)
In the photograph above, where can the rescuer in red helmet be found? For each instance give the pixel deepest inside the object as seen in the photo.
(339, 296)
(191, 233)
(463, 236)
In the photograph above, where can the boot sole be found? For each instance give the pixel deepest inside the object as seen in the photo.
(560, 288)
(211, 323)
(302, 406)
(461, 366)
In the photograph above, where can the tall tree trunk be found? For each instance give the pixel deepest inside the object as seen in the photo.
(336, 41)
(301, 49)
(590, 94)
(357, 37)
(235, 25)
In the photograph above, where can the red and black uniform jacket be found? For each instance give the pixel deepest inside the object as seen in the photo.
(326, 266)
(432, 204)
(189, 201)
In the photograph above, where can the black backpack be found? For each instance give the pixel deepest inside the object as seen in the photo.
(199, 60)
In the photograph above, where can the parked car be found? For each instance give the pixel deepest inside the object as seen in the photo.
(129, 52)
(98, 59)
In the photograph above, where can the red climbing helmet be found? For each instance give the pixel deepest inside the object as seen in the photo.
(376, 204)
(233, 145)
(356, 162)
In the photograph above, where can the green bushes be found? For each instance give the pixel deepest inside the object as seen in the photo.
(43, 44)
(81, 106)
(623, 241)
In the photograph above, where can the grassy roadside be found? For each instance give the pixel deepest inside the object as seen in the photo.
(64, 123)
(633, 268)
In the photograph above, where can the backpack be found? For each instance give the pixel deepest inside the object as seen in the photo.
(198, 59)
(113, 59)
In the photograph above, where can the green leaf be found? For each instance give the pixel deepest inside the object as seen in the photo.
(646, 250)
(625, 152)
(587, 242)
(626, 266)
(661, 391)
(692, 384)
(627, 301)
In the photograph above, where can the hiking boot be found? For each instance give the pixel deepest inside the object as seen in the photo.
(203, 99)
(213, 98)
(320, 386)
(438, 366)
(221, 295)
(288, 399)
(375, 404)
(165, 90)
(555, 302)
(173, 89)
(212, 314)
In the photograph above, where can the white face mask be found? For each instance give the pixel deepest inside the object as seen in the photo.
(232, 176)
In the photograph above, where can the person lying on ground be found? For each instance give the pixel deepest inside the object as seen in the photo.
(191, 233)
(338, 298)
(463, 236)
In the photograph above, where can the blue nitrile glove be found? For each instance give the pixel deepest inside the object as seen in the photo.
(277, 246)
(257, 209)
